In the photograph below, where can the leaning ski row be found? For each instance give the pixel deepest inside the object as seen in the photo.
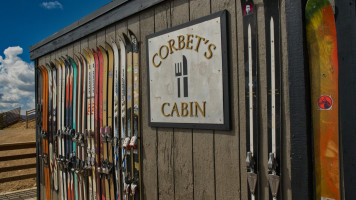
(88, 114)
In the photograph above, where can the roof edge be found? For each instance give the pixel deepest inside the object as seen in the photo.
(101, 18)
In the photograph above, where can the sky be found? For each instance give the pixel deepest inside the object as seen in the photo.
(23, 24)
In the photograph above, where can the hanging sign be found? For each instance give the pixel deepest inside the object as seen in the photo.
(188, 75)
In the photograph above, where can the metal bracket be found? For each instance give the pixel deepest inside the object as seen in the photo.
(273, 178)
(272, 164)
(273, 181)
(252, 181)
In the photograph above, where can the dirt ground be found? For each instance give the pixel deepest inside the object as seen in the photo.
(14, 134)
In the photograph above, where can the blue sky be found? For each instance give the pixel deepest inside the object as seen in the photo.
(24, 23)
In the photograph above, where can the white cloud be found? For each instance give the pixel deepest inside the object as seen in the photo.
(17, 84)
(52, 5)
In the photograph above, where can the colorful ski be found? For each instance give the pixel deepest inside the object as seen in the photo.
(124, 186)
(50, 122)
(135, 139)
(74, 126)
(67, 127)
(68, 142)
(272, 21)
(44, 132)
(98, 121)
(116, 120)
(104, 131)
(92, 120)
(252, 96)
(126, 145)
(61, 129)
(77, 127)
(58, 136)
(39, 126)
(81, 123)
(54, 149)
(83, 142)
(108, 129)
(323, 64)
(88, 131)
(102, 112)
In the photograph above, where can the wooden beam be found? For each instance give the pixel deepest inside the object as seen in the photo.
(15, 146)
(18, 167)
(18, 157)
(17, 178)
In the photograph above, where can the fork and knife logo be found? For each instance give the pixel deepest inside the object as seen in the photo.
(181, 72)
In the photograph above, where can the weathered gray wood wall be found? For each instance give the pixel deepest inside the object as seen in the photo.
(201, 164)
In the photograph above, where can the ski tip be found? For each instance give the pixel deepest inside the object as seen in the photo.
(52, 65)
(134, 41)
(121, 42)
(100, 49)
(131, 34)
(83, 58)
(119, 38)
(76, 57)
(127, 43)
(86, 53)
(112, 41)
(108, 46)
(48, 66)
(126, 38)
(69, 59)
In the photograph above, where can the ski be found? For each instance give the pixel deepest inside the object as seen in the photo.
(97, 121)
(272, 21)
(323, 66)
(63, 133)
(135, 139)
(252, 96)
(60, 118)
(54, 150)
(92, 120)
(88, 131)
(116, 119)
(83, 142)
(39, 123)
(70, 129)
(44, 132)
(126, 144)
(103, 129)
(108, 129)
(124, 186)
(78, 138)
(50, 123)
(58, 133)
(73, 116)
(67, 128)
(102, 56)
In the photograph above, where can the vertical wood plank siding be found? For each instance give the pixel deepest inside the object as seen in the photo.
(200, 164)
